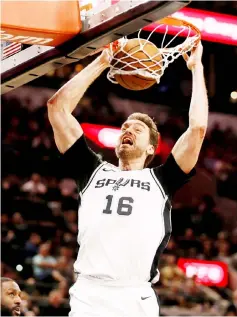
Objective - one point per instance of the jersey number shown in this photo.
(124, 205)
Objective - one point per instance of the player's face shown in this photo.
(134, 141)
(10, 298)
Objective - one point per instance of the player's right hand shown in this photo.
(195, 59)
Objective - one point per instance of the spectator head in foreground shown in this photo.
(10, 297)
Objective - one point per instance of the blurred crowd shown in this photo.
(39, 218)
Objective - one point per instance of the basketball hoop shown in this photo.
(127, 65)
(88, 32)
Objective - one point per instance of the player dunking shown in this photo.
(124, 216)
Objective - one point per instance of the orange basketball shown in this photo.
(136, 52)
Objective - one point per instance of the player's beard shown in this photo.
(128, 152)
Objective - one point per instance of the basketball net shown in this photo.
(167, 53)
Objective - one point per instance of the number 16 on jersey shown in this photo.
(124, 207)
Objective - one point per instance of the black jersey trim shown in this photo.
(92, 177)
(164, 241)
(158, 183)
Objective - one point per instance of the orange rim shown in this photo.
(168, 21)
(179, 22)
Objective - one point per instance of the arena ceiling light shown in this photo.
(233, 96)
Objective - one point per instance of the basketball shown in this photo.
(149, 56)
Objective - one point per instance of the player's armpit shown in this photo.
(187, 148)
(66, 128)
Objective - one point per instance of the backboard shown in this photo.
(100, 22)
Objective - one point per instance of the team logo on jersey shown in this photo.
(120, 183)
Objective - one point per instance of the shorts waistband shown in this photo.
(116, 283)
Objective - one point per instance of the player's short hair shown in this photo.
(6, 279)
(154, 134)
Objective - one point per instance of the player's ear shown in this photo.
(150, 150)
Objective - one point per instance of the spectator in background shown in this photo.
(66, 262)
(68, 194)
(10, 298)
(33, 128)
(26, 305)
(68, 185)
(11, 184)
(41, 143)
(44, 264)
(4, 224)
(20, 227)
(53, 192)
(10, 238)
(32, 244)
(223, 252)
(189, 240)
(171, 271)
(69, 239)
(55, 305)
(221, 237)
(193, 292)
(34, 185)
(70, 218)
(171, 246)
(46, 267)
(207, 251)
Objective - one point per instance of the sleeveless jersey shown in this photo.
(124, 225)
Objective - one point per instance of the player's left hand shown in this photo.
(106, 56)
(195, 59)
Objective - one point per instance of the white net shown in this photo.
(129, 64)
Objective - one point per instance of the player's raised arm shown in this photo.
(60, 107)
(187, 148)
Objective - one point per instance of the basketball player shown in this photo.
(124, 215)
(10, 297)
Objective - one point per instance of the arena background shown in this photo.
(39, 201)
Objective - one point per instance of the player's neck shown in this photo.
(136, 164)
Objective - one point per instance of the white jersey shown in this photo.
(124, 221)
